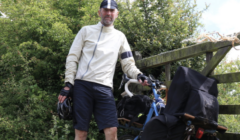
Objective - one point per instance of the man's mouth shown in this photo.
(108, 18)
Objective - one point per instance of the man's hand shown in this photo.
(143, 79)
(65, 92)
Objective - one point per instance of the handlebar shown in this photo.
(162, 87)
(126, 86)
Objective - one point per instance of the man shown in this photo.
(95, 50)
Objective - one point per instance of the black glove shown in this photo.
(64, 92)
(142, 77)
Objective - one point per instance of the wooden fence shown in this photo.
(221, 49)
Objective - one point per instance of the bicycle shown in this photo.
(155, 109)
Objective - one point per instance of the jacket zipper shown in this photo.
(93, 53)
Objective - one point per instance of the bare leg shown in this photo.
(80, 135)
(110, 133)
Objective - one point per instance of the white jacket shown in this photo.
(96, 49)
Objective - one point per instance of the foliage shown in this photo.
(91, 12)
(34, 40)
(229, 94)
(156, 26)
(24, 106)
(60, 130)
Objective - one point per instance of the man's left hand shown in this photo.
(65, 92)
(143, 79)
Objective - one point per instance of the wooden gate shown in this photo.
(221, 49)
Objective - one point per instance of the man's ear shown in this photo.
(99, 12)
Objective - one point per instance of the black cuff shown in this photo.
(64, 92)
(68, 84)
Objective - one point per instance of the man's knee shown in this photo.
(110, 131)
(80, 135)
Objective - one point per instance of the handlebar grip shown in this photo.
(136, 81)
(126, 86)
(163, 87)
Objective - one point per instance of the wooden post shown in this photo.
(216, 59)
(137, 55)
(167, 78)
(209, 56)
(136, 88)
(168, 74)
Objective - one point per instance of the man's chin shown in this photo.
(105, 23)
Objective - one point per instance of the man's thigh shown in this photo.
(104, 109)
(82, 105)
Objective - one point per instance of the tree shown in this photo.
(35, 39)
(156, 26)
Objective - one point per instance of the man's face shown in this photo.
(108, 16)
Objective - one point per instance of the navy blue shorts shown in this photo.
(92, 98)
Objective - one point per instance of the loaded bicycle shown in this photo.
(155, 107)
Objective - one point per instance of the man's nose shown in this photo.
(108, 12)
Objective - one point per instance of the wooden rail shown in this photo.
(229, 109)
(180, 54)
(229, 136)
(227, 78)
(221, 49)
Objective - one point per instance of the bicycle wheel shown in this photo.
(126, 137)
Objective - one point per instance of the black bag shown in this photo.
(164, 127)
(190, 93)
(135, 108)
(168, 127)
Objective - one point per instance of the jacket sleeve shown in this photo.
(127, 61)
(74, 56)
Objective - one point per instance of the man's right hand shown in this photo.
(65, 92)
(143, 79)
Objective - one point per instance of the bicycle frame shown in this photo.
(153, 107)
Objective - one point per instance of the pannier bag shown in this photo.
(164, 128)
(192, 98)
(168, 127)
(135, 108)
(192, 93)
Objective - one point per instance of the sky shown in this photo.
(221, 16)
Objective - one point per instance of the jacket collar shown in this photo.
(106, 29)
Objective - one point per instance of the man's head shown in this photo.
(108, 12)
